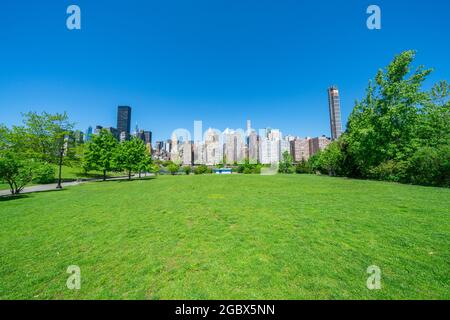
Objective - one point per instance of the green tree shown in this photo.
(434, 118)
(131, 155)
(430, 166)
(16, 168)
(331, 159)
(285, 165)
(383, 125)
(146, 162)
(45, 136)
(15, 171)
(100, 153)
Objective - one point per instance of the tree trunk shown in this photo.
(104, 175)
(11, 188)
(16, 189)
(129, 174)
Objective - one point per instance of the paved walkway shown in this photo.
(41, 187)
(52, 186)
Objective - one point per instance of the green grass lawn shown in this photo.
(227, 237)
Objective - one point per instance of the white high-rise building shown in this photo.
(213, 148)
(274, 134)
(199, 153)
(264, 150)
(253, 140)
(270, 146)
(284, 146)
(187, 153)
(234, 146)
(175, 152)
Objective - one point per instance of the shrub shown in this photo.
(187, 169)
(247, 171)
(173, 168)
(155, 168)
(201, 169)
(303, 167)
(247, 168)
(389, 171)
(430, 166)
(44, 173)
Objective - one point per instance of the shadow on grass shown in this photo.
(124, 179)
(11, 197)
(136, 179)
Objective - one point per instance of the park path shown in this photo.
(41, 187)
(52, 186)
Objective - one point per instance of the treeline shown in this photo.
(104, 153)
(29, 153)
(398, 132)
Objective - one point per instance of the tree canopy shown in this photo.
(396, 129)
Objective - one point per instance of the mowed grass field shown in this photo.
(227, 237)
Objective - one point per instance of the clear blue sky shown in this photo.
(220, 61)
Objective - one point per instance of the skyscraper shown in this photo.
(253, 140)
(186, 149)
(124, 120)
(269, 146)
(334, 106)
(175, 151)
(148, 137)
(234, 146)
(88, 135)
(213, 152)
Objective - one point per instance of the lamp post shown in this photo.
(61, 155)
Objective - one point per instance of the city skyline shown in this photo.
(230, 146)
(123, 131)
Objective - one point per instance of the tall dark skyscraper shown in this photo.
(334, 105)
(124, 120)
(148, 137)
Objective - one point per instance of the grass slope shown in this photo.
(231, 237)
